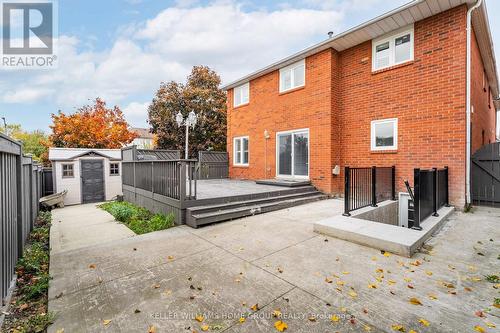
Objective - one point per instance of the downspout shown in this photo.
(468, 104)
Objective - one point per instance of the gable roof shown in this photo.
(67, 154)
(143, 133)
(400, 17)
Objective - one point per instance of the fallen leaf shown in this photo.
(374, 258)
(276, 313)
(280, 270)
(451, 267)
(428, 273)
(379, 270)
(340, 282)
(467, 289)
(92, 266)
(23, 307)
(386, 254)
(254, 307)
(152, 329)
(407, 279)
(475, 279)
(61, 330)
(106, 322)
(490, 325)
(372, 286)
(353, 294)
(391, 282)
(312, 318)
(280, 326)
(424, 322)
(479, 329)
(379, 279)
(170, 257)
(415, 263)
(399, 328)
(328, 280)
(199, 318)
(137, 311)
(242, 319)
(156, 286)
(345, 273)
(415, 301)
(411, 286)
(412, 331)
(204, 328)
(367, 328)
(334, 318)
(343, 309)
(480, 314)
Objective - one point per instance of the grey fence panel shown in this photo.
(20, 191)
(213, 165)
(157, 154)
(128, 173)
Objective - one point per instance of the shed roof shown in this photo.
(66, 154)
(400, 17)
(143, 133)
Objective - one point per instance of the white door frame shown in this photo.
(293, 132)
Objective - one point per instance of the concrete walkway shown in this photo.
(75, 227)
(254, 266)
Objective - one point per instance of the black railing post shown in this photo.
(416, 202)
(446, 190)
(393, 184)
(435, 189)
(374, 186)
(347, 190)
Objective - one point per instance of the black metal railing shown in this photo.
(430, 193)
(365, 187)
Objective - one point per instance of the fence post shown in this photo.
(416, 202)
(393, 180)
(435, 190)
(446, 190)
(347, 190)
(374, 186)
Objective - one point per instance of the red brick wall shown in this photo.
(307, 107)
(427, 96)
(342, 96)
(484, 116)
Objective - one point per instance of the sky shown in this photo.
(121, 50)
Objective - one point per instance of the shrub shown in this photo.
(122, 213)
(35, 259)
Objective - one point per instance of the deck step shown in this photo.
(252, 207)
(283, 182)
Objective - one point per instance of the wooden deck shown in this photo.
(218, 188)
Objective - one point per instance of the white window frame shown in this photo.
(391, 38)
(72, 169)
(111, 168)
(241, 138)
(373, 137)
(292, 76)
(293, 132)
(245, 86)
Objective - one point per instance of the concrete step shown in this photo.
(199, 219)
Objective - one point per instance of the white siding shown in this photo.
(112, 184)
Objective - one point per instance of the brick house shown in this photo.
(392, 91)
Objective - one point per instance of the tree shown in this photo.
(92, 126)
(200, 94)
(34, 143)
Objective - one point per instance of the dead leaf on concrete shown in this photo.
(280, 326)
(152, 329)
(106, 322)
(415, 301)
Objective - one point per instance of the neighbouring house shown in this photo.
(89, 175)
(391, 91)
(145, 139)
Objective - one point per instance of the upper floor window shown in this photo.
(393, 50)
(68, 171)
(384, 134)
(114, 169)
(242, 94)
(293, 76)
(241, 151)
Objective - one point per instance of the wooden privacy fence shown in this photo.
(213, 165)
(20, 191)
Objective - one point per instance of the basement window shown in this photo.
(384, 134)
(240, 157)
(292, 76)
(68, 171)
(241, 94)
(393, 50)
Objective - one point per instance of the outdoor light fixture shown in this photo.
(190, 121)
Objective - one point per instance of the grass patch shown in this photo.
(138, 219)
(28, 310)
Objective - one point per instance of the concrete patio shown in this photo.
(163, 280)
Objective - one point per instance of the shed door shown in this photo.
(92, 181)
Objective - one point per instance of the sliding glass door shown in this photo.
(293, 154)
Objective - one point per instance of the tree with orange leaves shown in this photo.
(92, 126)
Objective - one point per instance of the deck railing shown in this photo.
(365, 187)
(175, 179)
(213, 165)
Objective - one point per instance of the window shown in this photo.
(384, 134)
(292, 76)
(241, 151)
(393, 50)
(67, 171)
(242, 94)
(114, 169)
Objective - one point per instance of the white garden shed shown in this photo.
(89, 175)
